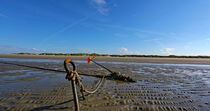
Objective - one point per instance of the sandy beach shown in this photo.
(163, 84)
(118, 59)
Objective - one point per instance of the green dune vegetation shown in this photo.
(107, 55)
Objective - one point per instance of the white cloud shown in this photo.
(208, 39)
(39, 50)
(167, 51)
(127, 52)
(99, 2)
(100, 5)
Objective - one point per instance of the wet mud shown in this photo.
(158, 87)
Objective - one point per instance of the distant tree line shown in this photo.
(25, 53)
(159, 56)
(75, 54)
(95, 54)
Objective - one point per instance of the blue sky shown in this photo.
(162, 27)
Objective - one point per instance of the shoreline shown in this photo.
(118, 59)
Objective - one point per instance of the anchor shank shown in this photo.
(76, 100)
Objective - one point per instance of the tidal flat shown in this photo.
(159, 86)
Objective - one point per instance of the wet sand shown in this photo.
(118, 59)
(163, 87)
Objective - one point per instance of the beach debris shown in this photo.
(121, 77)
(113, 75)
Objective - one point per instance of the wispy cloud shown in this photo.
(151, 40)
(137, 32)
(120, 35)
(82, 50)
(127, 52)
(208, 39)
(67, 27)
(4, 48)
(101, 6)
(3, 15)
(99, 2)
(38, 50)
(167, 51)
(14, 49)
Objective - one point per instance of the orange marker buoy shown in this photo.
(89, 60)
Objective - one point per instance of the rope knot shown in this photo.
(71, 75)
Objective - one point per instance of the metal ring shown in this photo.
(66, 65)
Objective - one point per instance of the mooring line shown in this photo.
(112, 76)
(47, 69)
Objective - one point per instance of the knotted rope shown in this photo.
(76, 79)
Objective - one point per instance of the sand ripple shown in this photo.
(158, 88)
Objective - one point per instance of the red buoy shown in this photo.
(89, 60)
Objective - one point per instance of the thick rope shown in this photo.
(75, 76)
